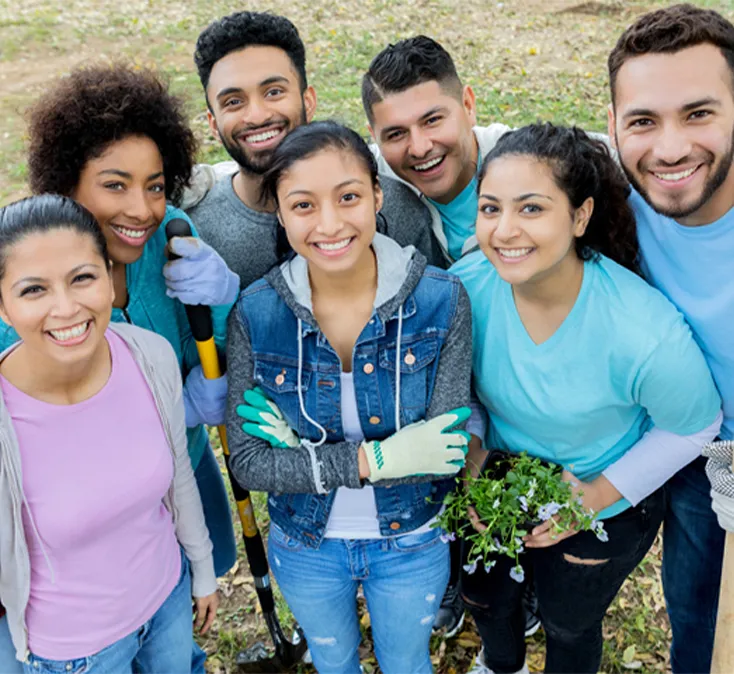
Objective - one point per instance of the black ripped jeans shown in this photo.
(572, 597)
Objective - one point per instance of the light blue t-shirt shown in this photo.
(459, 218)
(622, 360)
(694, 268)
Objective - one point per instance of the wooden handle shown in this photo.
(723, 658)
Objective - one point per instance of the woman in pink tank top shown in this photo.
(103, 542)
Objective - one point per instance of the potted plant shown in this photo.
(513, 494)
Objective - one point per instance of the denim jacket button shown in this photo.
(395, 526)
(409, 358)
(375, 420)
(368, 368)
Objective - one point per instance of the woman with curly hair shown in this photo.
(115, 140)
(581, 363)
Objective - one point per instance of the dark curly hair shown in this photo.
(98, 105)
(248, 29)
(582, 167)
(405, 64)
(670, 30)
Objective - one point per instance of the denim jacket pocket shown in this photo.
(416, 357)
(279, 380)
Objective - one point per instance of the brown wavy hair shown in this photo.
(582, 167)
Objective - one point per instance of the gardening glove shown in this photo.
(423, 448)
(205, 400)
(718, 470)
(264, 420)
(200, 275)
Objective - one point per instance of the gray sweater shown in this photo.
(260, 467)
(246, 239)
(159, 366)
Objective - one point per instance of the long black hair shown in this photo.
(582, 167)
(304, 142)
(45, 213)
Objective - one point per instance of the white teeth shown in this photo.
(70, 333)
(260, 137)
(131, 233)
(514, 252)
(673, 177)
(429, 164)
(333, 246)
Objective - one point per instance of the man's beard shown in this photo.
(712, 184)
(259, 163)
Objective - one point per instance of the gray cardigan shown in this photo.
(159, 366)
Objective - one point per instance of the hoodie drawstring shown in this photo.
(310, 446)
(397, 368)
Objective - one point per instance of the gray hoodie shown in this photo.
(159, 366)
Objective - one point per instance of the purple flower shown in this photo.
(545, 512)
(523, 503)
(517, 573)
(448, 536)
(520, 544)
(472, 566)
(488, 566)
(600, 531)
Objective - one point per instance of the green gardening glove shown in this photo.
(264, 420)
(423, 448)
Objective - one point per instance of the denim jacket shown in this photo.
(421, 321)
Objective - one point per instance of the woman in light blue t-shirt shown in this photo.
(577, 361)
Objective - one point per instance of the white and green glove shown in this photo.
(423, 448)
(265, 420)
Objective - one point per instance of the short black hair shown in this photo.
(670, 30)
(98, 105)
(248, 29)
(405, 64)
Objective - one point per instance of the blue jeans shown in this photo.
(693, 549)
(8, 663)
(217, 513)
(163, 644)
(404, 579)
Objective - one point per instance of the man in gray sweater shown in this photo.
(252, 66)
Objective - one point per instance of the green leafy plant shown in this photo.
(514, 494)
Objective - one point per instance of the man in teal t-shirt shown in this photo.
(672, 120)
(424, 123)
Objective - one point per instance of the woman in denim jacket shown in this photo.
(360, 353)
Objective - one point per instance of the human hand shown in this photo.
(200, 275)
(205, 610)
(265, 420)
(423, 448)
(205, 400)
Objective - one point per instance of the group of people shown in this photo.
(388, 312)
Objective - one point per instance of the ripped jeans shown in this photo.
(403, 578)
(572, 596)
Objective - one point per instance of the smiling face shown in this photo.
(673, 125)
(124, 189)
(327, 205)
(57, 293)
(526, 225)
(425, 135)
(255, 100)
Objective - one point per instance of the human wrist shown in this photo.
(364, 466)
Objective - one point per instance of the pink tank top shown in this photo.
(94, 475)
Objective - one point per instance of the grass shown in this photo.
(525, 59)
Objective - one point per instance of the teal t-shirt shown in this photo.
(459, 217)
(692, 266)
(622, 361)
(149, 307)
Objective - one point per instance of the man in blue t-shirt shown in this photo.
(672, 122)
